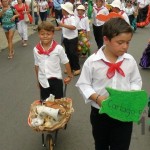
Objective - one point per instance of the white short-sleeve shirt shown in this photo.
(104, 11)
(49, 65)
(83, 23)
(67, 33)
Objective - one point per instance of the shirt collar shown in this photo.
(100, 55)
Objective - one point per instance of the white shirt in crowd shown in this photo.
(129, 10)
(42, 6)
(83, 23)
(49, 65)
(67, 33)
(104, 11)
(143, 3)
(93, 77)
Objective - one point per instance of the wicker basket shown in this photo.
(49, 123)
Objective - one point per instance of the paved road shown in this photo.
(18, 90)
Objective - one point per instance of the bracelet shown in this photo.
(97, 98)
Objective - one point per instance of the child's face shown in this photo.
(118, 45)
(80, 12)
(99, 3)
(46, 36)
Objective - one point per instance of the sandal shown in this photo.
(76, 72)
(10, 56)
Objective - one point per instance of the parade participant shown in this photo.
(75, 7)
(97, 24)
(22, 26)
(48, 55)
(86, 8)
(97, 74)
(143, 13)
(132, 13)
(83, 31)
(36, 14)
(8, 14)
(58, 9)
(43, 6)
(70, 35)
(116, 7)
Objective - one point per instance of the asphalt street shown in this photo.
(18, 89)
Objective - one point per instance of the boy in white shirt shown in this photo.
(70, 36)
(111, 67)
(48, 55)
(83, 30)
(99, 8)
(116, 7)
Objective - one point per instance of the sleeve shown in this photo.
(84, 84)
(63, 57)
(35, 57)
(135, 78)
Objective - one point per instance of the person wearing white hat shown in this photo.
(83, 30)
(86, 7)
(116, 7)
(70, 35)
(97, 24)
(75, 7)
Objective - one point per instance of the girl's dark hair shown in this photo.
(115, 26)
(46, 26)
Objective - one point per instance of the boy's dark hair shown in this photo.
(115, 26)
(45, 25)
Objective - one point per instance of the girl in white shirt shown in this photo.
(43, 6)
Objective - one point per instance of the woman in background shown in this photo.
(22, 26)
(8, 16)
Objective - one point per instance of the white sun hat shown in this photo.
(67, 7)
(81, 7)
(116, 3)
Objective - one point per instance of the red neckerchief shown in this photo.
(64, 18)
(44, 52)
(114, 67)
(81, 17)
(98, 9)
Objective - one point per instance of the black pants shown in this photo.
(97, 30)
(56, 88)
(36, 18)
(43, 16)
(58, 15)
(71, 51)
(108, 133)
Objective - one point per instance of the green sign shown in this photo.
(124, 105)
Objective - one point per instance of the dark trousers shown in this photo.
(36, 18)
(56, 88)
(71, 51)
(108, 133)
(58, 15)
(43, 16)
(97, 31)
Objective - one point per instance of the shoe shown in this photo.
(24, 44)
(76, 72)
(10, 56)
